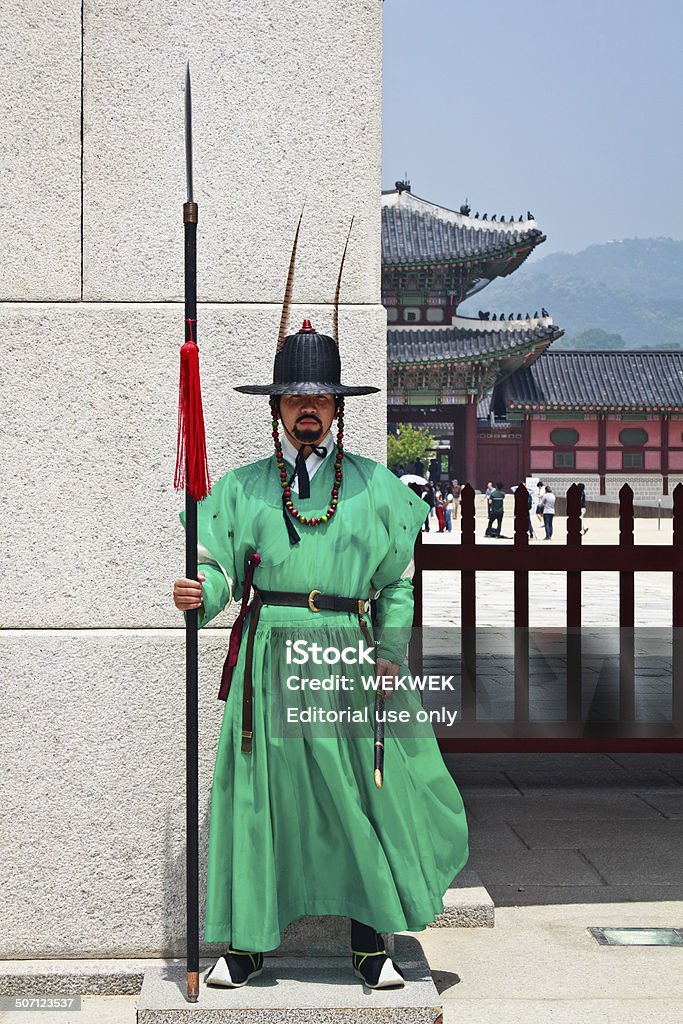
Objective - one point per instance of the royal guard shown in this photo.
(300, 825)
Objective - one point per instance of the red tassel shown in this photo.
(191, 447)
(236, 630)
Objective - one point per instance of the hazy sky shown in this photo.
(573, 110)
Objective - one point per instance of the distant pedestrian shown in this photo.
(428, 496)
(530, 505)
(419, 467)
(440, 506)
(538, 500)
(488, 492)
(435, 471)
(456, 491)
(582, 506)
(448, 512)
(496, 510)
(548, 511)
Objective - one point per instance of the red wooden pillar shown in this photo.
(470, 424)
(602, 450)
(457, 459)
(526, 447)
(664, 454)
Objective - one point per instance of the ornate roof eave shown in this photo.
(518, 361)
(594, 408)
(418, 234)
(513, 352)
(482, 259)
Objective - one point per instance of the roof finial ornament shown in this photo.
(287, 301)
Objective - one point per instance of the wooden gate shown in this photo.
(573, 559)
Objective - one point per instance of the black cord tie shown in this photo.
(301, 470)
(303, 484)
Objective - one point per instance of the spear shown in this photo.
(191, 470)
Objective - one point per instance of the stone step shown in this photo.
(297, 990)
(73, 977)
(467, 904)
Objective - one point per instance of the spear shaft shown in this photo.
(190, 217)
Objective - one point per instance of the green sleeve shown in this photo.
(401, 513)
(216, 593)
(394, 620)
(215, 551)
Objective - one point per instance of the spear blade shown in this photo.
(188, 134)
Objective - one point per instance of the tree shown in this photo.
(409, 444)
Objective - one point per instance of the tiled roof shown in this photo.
(415, 231)
(627, 380)
(433, 346)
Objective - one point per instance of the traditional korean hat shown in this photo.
(307, 363)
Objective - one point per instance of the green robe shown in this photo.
(298, 826)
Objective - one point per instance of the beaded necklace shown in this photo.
(286, 489)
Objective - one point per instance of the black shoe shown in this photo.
(234, 969)
(378, 970)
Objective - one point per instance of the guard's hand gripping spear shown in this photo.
(191, 472)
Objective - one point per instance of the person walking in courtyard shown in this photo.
(435, 472)
(548, 505)
(530, 503)
(448, 511)
(316, 529)
(440, 505)
(538, 500)
(456, 490)
(496, 511)
(430, 499)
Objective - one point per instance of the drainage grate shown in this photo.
(638, 936)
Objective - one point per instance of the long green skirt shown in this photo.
(298, 826)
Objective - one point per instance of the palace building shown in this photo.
(501, 403)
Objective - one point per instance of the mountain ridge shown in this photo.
(620, 294)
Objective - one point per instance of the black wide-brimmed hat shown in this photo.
(307, 363)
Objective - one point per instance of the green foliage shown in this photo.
(410, 444)
(630, 288)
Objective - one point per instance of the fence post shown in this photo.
(468, 610)
(521, 607)
(415, 648)
(677, 616)
(574, 654)
(627, 705)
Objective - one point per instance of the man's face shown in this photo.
(307, 418)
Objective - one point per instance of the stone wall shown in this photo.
(287, 104)
(647, 487)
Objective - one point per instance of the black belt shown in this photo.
(316, 601)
